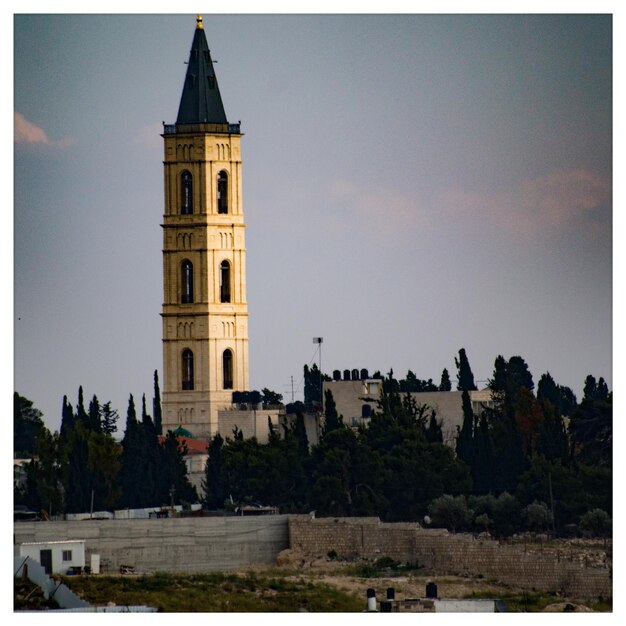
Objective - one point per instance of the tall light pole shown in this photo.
(319, 341)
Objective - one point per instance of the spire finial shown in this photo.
(199, 21)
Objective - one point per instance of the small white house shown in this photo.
(56, 557)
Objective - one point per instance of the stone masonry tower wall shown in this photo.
(205, 312)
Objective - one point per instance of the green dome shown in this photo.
(183, 432)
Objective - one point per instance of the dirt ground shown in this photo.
(334, 573)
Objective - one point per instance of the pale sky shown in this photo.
(413, 184)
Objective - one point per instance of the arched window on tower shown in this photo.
(187, 377)
(186, 280)
(227, 369)
(222, 192)
(186, 193)
(225, 281)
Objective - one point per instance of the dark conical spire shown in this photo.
(201, 101)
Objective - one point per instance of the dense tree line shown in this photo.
(83, 467)
(515, 465)
(534, 458)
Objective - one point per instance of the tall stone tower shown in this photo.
(205, 313)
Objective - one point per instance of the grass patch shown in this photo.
(605, 606)
(384, 567)
(215, 592)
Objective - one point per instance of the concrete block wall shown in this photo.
(443, 553)
(179, 544)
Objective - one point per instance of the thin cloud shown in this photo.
(26, 132)
(559, 202)
(379, 208)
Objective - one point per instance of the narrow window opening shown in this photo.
(222, 192)
(186, 188)
(227, 367)
(67, 555)
(187, 282)
(225, 281)
(187, 369)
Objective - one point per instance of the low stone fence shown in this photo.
(444, 553)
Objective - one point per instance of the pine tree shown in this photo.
(109, 419)
(27, 425)
(45, 475)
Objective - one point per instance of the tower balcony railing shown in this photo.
(172, 129)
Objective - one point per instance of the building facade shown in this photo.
(355, 400)
(205, 311)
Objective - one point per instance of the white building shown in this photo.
(56, 557)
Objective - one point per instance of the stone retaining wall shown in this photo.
(221, 543)
(443, 553)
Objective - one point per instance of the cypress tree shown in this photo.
(78, 479)
(547, 390)
(434, 434)
(465, 434)
(95, 415)
(214, 483)
(173, 471)
(156, 482)
(130, 475)
(552, 440)
(445, 384)
(589, 390)
(81, 413)
(156, 405)
(332, 420)
(299, 432)
(67, 418)
(465, 377)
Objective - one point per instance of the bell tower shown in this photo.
(205, 312)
